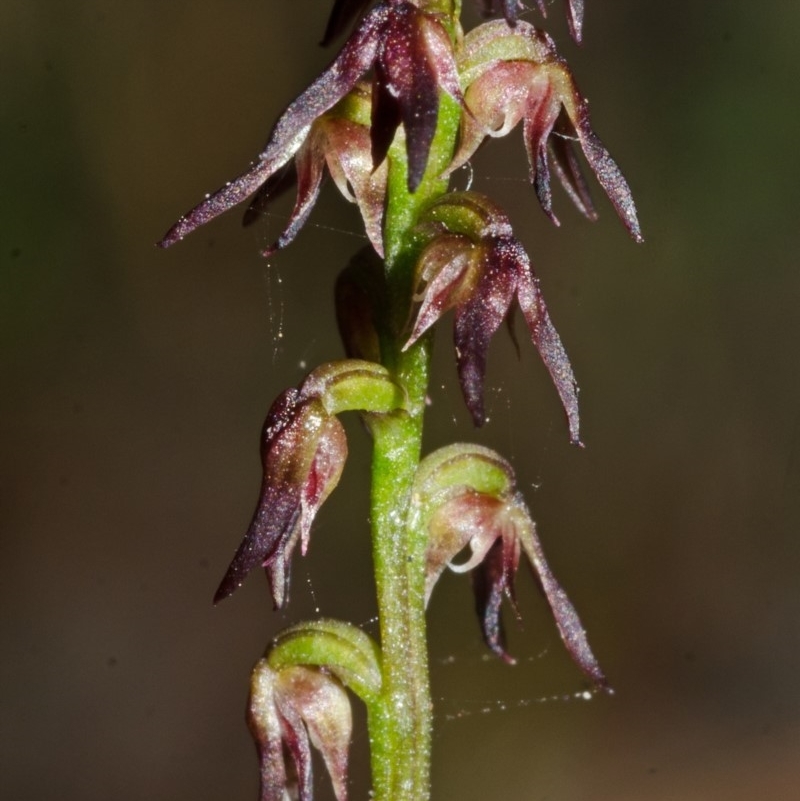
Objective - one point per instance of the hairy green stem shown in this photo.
(400, 723)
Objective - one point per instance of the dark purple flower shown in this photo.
(412, 57)
(339, 140)
(289, 710)
(474, 264)
(303, 450)
(515, 75)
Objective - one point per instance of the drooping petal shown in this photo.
(350, 163)
(476, 322)
(569, 625)
(541, 114)
(323, 475)
(548, 343)
(321, 703)
(565, 164)
(575, 19)
(605, 168)
(267, 731)
(490, 586)
(310, 163)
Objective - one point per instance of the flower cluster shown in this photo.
(500, 74)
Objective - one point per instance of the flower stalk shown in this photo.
(407, 100)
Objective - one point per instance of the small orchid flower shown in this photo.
(514, 75)
(289, 710)
(466, 496)
(303, 451)
(474, 264)
(339, 140)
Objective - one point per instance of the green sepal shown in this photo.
(456, 467)
(354, 385)
(494, 41)
(344, 650)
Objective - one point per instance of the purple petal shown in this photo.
(355, 58)
(296, 742)
(546, 340)
(476, 322)
(569, 625)
(489, 583)
(568, 171)
(575, 19)
(275, 186)
(386, 116)
(310, 163)
(408, 74)
(607, 172)
(223, 199)
(540, 117)
(276, 516)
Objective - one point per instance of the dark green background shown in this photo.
(134, 383)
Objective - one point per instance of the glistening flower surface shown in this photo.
(408, 99)
(517, 75)
(474, 264)
(466, 495)
(289, 710)
(303, 451)
(412, 58)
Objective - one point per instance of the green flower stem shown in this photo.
(400, 722)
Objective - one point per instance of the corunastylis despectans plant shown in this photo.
(408, 99)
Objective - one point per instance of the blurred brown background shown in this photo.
(134, 383)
